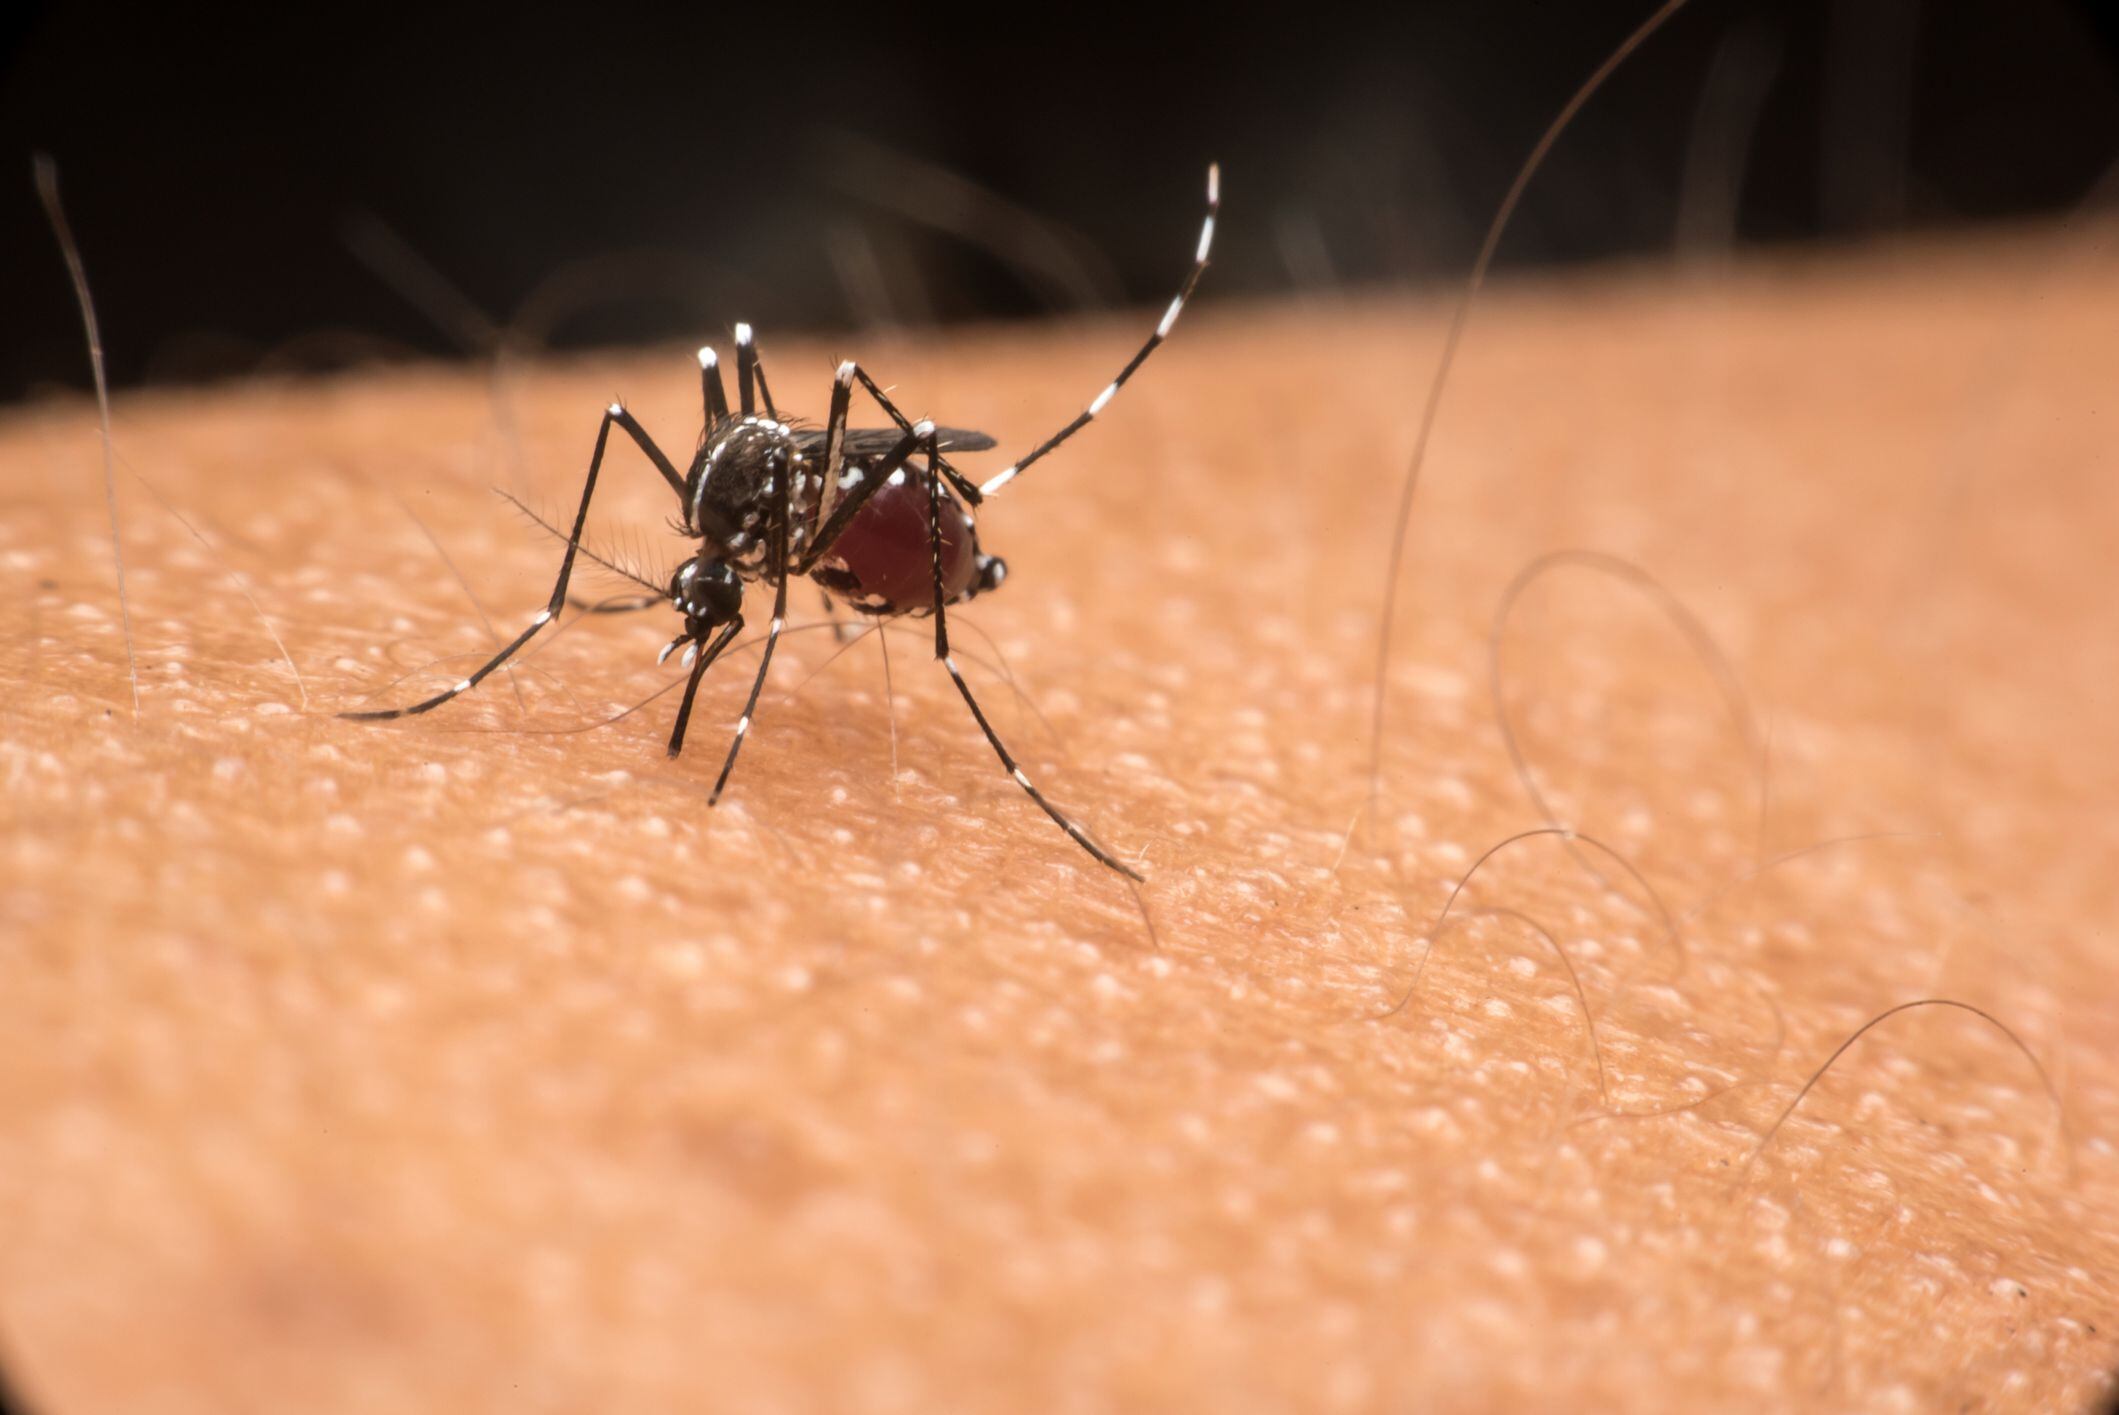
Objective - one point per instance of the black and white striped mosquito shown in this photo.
(878, 517)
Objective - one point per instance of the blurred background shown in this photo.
(287, 189)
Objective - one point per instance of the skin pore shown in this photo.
(351, 1065)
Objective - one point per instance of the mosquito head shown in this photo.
(707, 592)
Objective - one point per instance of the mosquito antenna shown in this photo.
(47, 178)
(1140, 356)
(1450, 340)
(616, 569)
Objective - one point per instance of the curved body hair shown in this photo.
(1401, 520)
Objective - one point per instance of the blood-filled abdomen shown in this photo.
(885, 549)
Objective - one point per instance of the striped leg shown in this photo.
(957, 483)
(700, 662)
(782, 521)
(1080, 836)
(834, 447)
(748, 368)
(1162, 332)
(710, 392)
(612, 415)
(832, 516)
(849, 506)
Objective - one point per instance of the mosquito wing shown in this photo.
(875, 441)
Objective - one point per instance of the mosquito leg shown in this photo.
(957, 481)
(748, 368)
(813, 536)
(850, 505)
(616, 413)
(613, 416)
(834, 446)
(781, 572)
(691, 687)
(1080, 836)
(710, 392)
(1162, 332)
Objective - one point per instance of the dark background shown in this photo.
(628, 173)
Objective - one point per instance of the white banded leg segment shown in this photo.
(1169, 319)
(747, 371)
(750, 706)
(834, 445)
(779, 537)
(956, 675)
(711, 395)
(615, 415)
(1206, 227)
(1059, 818)
(955, 478)
(1162, 331)
(462, 685)
(749, 355)
(698, 662)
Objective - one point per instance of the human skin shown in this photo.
(459, 1062)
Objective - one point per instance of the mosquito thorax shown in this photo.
(742, 461)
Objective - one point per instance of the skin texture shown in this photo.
(462, 1062)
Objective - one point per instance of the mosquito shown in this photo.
(879, 518)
